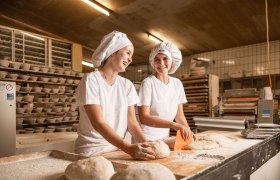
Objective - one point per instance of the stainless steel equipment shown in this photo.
(239, 104)
(218, 123)
(260, 130)
(7, 118)
(265, 111)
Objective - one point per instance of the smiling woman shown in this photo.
(162, 96)
(106, 103)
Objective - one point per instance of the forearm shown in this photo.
(180, 116)
(107, 132)
(135, 130)
(182, 120)
(155, 122)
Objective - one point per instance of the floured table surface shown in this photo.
(187, 163)
(49, 165)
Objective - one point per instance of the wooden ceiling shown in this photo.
(193, 25)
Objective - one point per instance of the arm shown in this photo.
(138, 151)
(153, 121)
(181, 119)
(133, 126)
(147, 119)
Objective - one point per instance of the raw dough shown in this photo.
(170, 141)
(160, 148)
(202, 144)
(97, 168)
(144, 171)
(209, 141)
(218, 138)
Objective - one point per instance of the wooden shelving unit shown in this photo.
(64, 98)
(202, 94)
(19, 46)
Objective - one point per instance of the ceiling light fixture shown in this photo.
(42, 39)
(98, 6)
(154, 38)
(202, 59)
(87, 64)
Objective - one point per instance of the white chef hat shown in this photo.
(171, 51)
(110, 43)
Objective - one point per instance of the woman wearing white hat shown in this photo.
(162, 96)
(106, 103)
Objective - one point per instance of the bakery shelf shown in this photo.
(37, 82)
(39, 73)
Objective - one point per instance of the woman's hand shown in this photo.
(141, 151)
(185, 131)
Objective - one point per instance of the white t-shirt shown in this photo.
(163, 100)
(114, 101)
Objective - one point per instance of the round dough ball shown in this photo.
(160, 148)
(144, 171)
(97, 168)
(201, 145)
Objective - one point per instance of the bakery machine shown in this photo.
(239, 104)
(243, 108)
(234, 107)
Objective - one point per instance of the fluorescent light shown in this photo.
(202, 59)
(42, 39)
(97, 6)
(87, 64)
(154, 38)
(228, 62)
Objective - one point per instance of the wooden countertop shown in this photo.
(32, 140)
(188, 163)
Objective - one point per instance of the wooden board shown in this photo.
(196, 94)
(197, 97)
(185, 163)
(195, 81)
(196, 87)
(196, 91)
(179, 168)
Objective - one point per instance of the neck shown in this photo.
(108, 75)
(162, 77)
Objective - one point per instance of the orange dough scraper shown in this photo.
(180, 143)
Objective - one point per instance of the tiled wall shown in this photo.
(240, 61)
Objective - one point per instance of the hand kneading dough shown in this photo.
(144, 171)
(97, 168)
(160, 148)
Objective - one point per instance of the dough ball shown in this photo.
(218, 138)
(97, 168)
(202, 144)
(144, 171)
(160, 148)
(170, 141)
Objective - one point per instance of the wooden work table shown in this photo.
(62, 141)
(236, 160)
(241, 159)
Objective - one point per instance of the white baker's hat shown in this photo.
(109, 44)
(171, 51)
